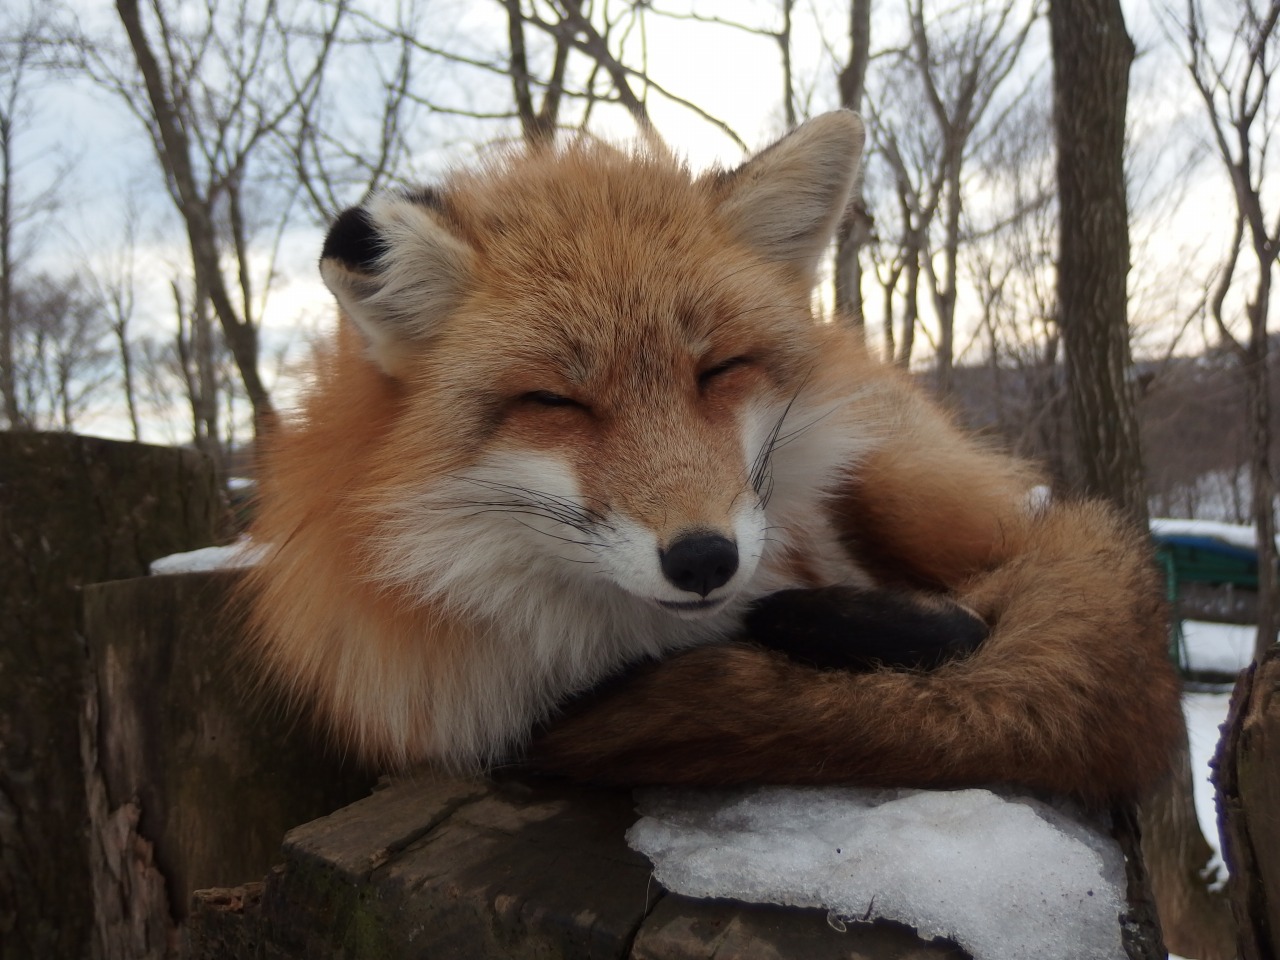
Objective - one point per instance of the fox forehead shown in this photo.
(607, 252)
(587, 209)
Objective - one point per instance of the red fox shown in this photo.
(580, 416)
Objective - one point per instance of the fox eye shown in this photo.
(721, 368)
(545, 398)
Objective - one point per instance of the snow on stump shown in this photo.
(524, 867)
(73, 510)
(194, 780)
(1005, 876)
(1248, 795)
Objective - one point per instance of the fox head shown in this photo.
(604, 369)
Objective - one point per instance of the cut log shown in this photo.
(73, 510)
(198, 778)
(520, 868)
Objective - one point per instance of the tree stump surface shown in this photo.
(1248, 794)
(508, 868)
(73, 510)
(515, 867)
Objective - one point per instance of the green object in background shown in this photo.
(1191, 558)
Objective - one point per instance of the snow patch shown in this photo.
(1218, 647)
(1004, 876)
(1206, 713)
(234, 556)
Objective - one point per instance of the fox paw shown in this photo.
(850, 628)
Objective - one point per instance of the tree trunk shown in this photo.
(1196, 922)
(8, 380)
(73, 510)
(1091, 57)
(126, 376)
(1248, 781)
(174, 150)
(1258, 394)
(855, 232)
(911, 307)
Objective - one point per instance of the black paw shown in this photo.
(846, 628)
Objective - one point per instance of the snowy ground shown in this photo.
(1205, 713)
(1218, 648)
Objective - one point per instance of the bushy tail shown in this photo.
(1072, 692)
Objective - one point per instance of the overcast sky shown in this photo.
(734, 76)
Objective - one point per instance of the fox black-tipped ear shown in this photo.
(396, 270)
(354, 242)
(786, 201)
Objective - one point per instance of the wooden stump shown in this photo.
(512, 869)
(73, 510)
(196, 779)
(522, 868)
(1248, 795)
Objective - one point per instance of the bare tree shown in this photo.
(347, 138)
(538, 124)
(62, 361)
(216, 88)
(960, 83)
(21, 53)
(1233, 74)
(1010, 262)
(113, 275)
(1092, 54)
(602, 41)
(16, 67)
(933, 110)
(1232, 69)
(855, 232)
(899, 250)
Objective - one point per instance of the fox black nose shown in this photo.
(700, 562)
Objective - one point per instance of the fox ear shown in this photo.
(786, 201)
(396, 270)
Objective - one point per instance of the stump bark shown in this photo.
(195, 778)
(73, 510)
(1248, 795)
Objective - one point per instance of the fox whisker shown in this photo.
(553, 505)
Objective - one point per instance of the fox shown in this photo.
(588, 480)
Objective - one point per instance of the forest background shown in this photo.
(167, 172)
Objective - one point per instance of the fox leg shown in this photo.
(854, 628)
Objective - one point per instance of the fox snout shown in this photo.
(699, 561)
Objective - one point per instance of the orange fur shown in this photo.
(555, 371)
